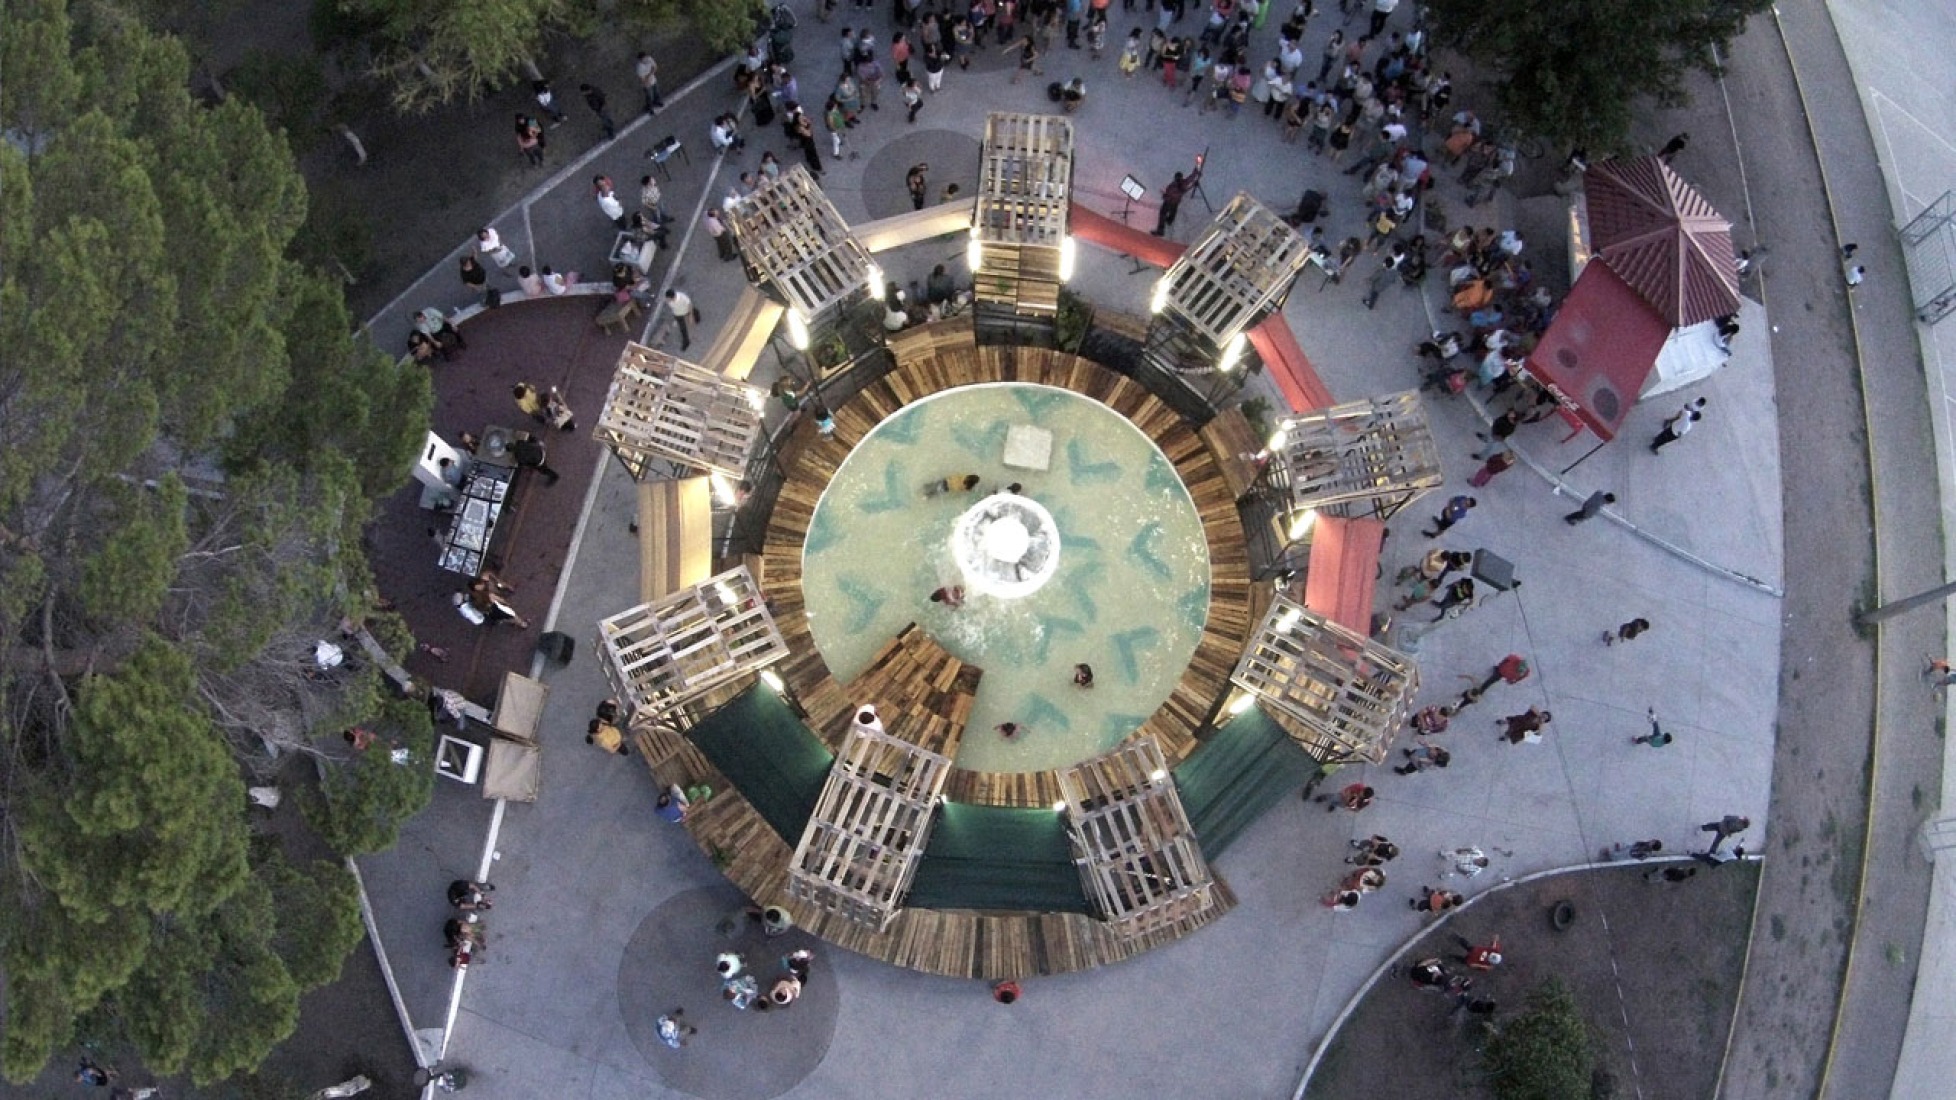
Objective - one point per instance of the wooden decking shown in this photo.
(923, 695)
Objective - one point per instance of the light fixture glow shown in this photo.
(1067, 257)
(1158, 774)
(1159, 299)
(1278, 438)
(974, 255)
(1301, 522)
(723, 489)
(1240, 704)
(797, 330)
(1059, 807)
(774, 681)
(876, 280)
(1287, 620)
(1232, 352)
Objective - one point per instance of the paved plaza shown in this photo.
(1738, 544)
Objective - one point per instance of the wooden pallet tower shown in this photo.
(861, 848)
(1018, 227)
(660, 407)
(1340, 695)
(1361, 460)
(662, 655)
(797, 250)
(1131, 838)
(1234, 275)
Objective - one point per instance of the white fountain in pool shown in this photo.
(1006, 546)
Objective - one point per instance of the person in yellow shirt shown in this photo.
(956, 483)
(529, 400)
(607, 737)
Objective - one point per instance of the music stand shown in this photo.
(1131, 192)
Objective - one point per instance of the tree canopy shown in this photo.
(1578, 72)
(195, 439)
(1546, 1053)
(436, 52)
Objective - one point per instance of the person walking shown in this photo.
(547, 102)
(1028, 57)
(1498, 432)
(1373, 851)
(1388, 272)
(594, 99)
(1456, 510)
(1426, 755)
(529, 140)
(1626, 632)
(1656, 738)
(1458, 594)
(648, 80)
(1499, 463)
(1728, 826)
(723, 241)
(683, 311)
(1674, 146)
(1591, 505)
(530, 455)
(1513, 669)
(1526, 726)
(913, 99)
(1679, 425)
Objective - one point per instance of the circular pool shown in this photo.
(1107, 530)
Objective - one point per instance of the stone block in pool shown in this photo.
(1028, 448)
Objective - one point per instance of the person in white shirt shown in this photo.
(683, 312)
(608, 200)
(490, 245)
(532, 286)
(554, 282)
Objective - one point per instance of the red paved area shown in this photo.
(545, 343)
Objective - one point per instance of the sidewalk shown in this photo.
(1902, 73)
(582, 870)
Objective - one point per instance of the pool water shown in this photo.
(1129, 596)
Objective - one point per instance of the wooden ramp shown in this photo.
(922, 694)
(675, 536)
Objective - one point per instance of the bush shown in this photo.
(1546, 1053)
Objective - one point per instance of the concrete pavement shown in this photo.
(582, 868)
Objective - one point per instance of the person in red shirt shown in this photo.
(1485, 956)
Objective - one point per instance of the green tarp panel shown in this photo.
(998, 857)
(1235, 775)
(769, 756)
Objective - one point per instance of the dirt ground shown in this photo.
(1660, 1031)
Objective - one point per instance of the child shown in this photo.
(1131, 54)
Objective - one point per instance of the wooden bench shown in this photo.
(675, 536)
(618, 314)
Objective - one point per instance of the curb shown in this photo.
(1351, 1006)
